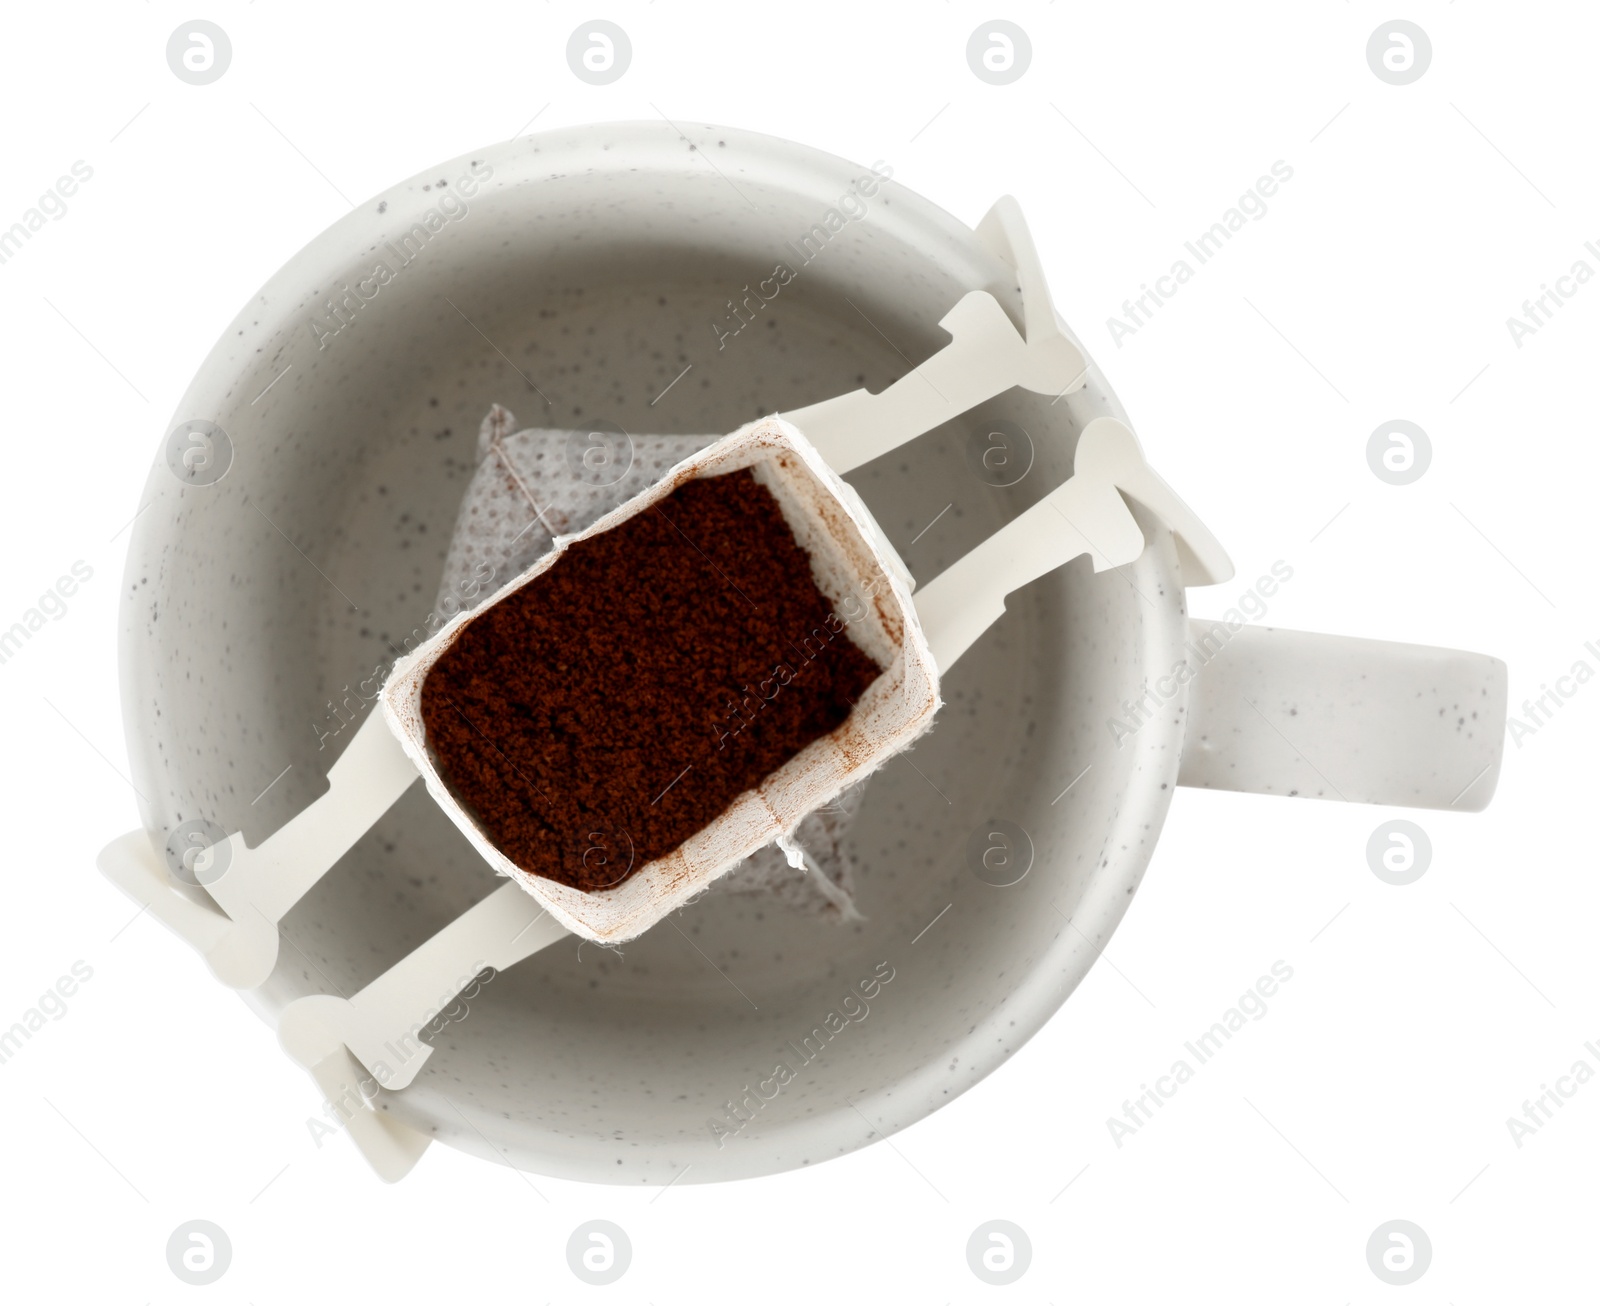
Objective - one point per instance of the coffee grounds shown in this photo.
(609, 709)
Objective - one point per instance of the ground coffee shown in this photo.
(617, 704)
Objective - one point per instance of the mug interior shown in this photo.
(586, 271)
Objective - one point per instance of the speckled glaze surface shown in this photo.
(584, 271)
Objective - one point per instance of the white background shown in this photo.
(1377, 1086)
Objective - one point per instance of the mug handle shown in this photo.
(1325, 716)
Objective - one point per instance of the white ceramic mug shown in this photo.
(299, 513)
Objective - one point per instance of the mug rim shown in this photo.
(1051, 975)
